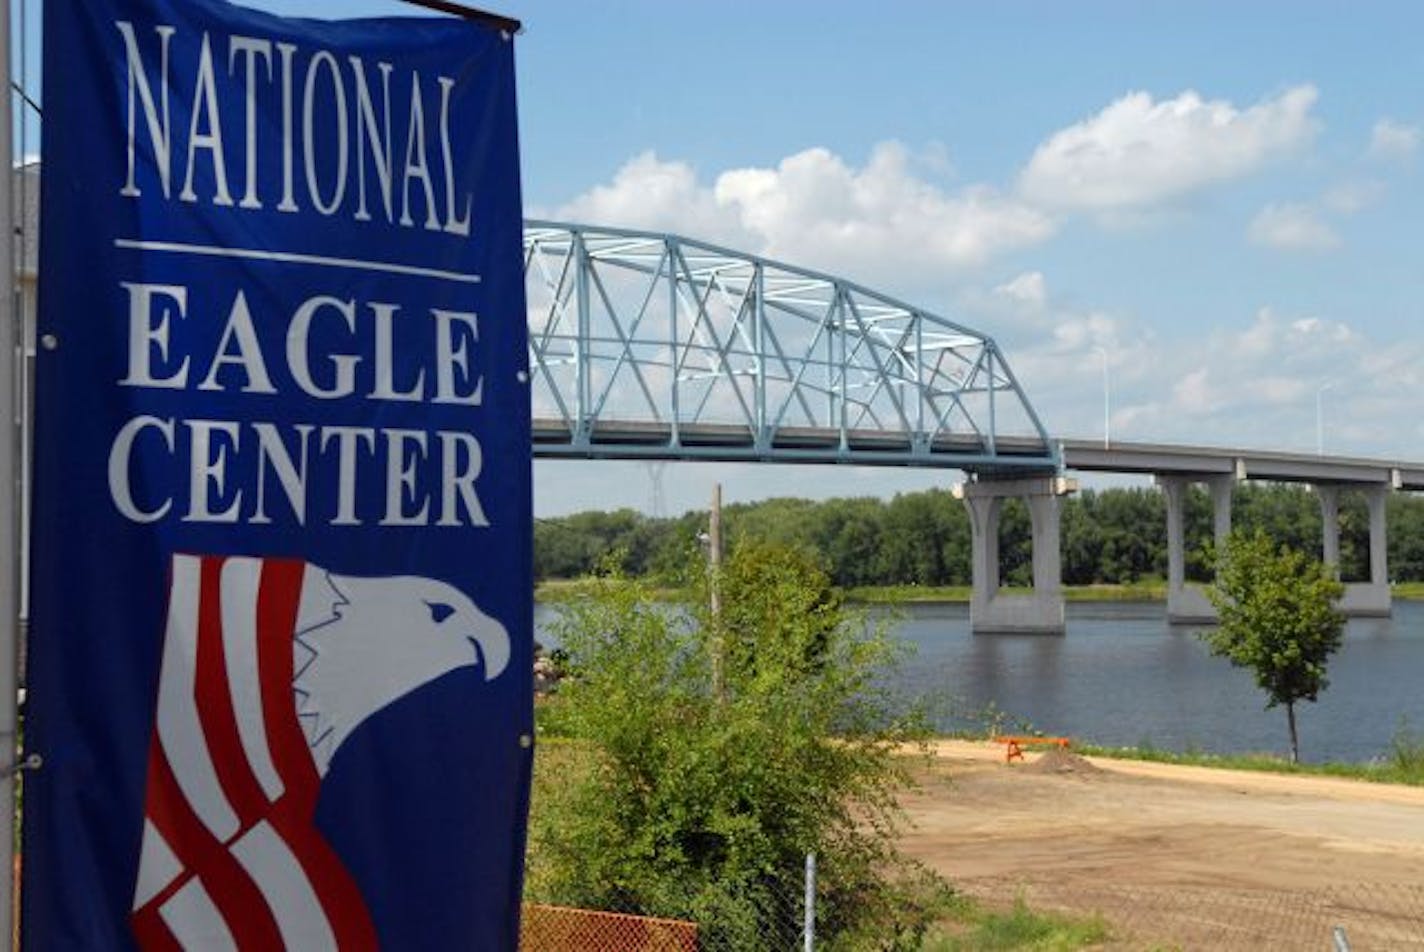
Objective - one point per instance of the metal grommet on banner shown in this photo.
(28, 762)
(526, 741)
(522, 376)
(49, 342)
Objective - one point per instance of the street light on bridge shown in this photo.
(1107, 414)
(1320, 416)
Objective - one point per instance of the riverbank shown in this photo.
(556, 590)
(1176, 856)
(1404, 764)
(1147, 591)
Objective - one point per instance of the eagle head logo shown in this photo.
(268, 666)
(363, 643)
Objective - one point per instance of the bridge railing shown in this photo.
(648, 344)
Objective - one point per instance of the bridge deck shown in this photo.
(637, 440)
(732, 443)
(1276, 466)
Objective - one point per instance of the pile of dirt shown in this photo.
(1060, 760)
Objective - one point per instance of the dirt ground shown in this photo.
(1178, 857)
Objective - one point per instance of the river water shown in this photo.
(1123, 676)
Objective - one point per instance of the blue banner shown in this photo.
(281, 620)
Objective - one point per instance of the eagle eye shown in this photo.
(439, 611)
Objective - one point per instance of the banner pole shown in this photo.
(508, 24)
(9, 539)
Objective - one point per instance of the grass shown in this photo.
(974, 928)
(900, 594)
(1404, 763)
(1143, 591)
(555, 590)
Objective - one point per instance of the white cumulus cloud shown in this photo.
(1256, 385)
(1252, 382)
(648, 192)
(1349, 198)
(1393, 140)
(1028, 289)
(1194, 392)
(1292, 227)
(1138, 152)
(876, 222)
(815, 207)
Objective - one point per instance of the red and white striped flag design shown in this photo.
(230, 856)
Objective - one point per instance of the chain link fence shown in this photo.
(545, 928)
(1359, 917)
(772, 916)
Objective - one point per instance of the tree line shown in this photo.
(1108, 536)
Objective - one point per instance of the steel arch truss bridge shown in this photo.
(652, 346)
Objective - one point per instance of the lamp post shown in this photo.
(1107, 405)
(1320, 417)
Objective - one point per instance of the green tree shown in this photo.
(1114, 535)
(1406, 536)
(700, 805)
(1015, 543)
(1276, 617)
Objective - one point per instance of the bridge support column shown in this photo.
(1187, 604)
(1329, 497)
(990, 611)
(1361, 599)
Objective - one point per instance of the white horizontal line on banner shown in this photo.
(290, 257)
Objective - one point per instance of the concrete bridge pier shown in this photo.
(991, 611)
(1364, 599)
(1187, 604)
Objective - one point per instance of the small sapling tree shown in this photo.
(1277, 617)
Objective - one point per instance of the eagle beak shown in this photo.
(492, 648)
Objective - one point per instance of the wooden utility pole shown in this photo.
(714, 571)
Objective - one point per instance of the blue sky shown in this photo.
(1224, 198)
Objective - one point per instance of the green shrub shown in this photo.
(698, 796)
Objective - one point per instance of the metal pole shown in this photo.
(9, 539)
(714, 560)
(508, 24)
(674, 360)
(1320, 418)
(809, 923)
(759, 343)
(583, 399)
(1107, 403)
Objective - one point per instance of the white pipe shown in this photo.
(808, 928)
